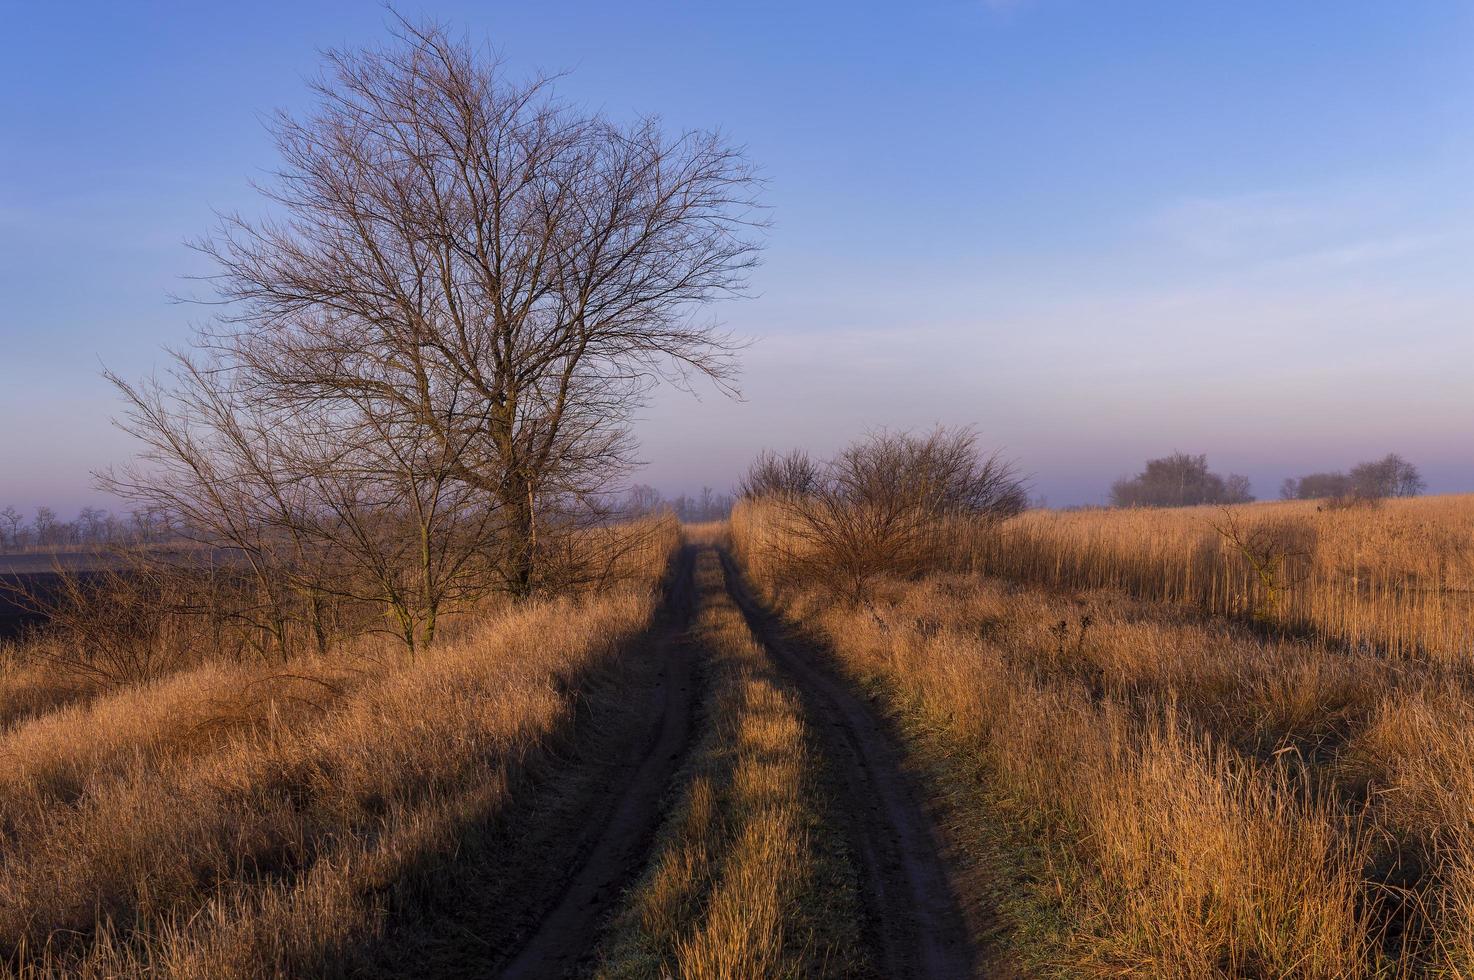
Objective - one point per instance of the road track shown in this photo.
(914, 921)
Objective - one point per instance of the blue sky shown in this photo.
(1097, 231)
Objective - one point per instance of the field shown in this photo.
(1150, 773)
(328, 815)
(1071, 744)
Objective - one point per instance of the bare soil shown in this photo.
(579, 853)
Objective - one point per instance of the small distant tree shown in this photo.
(147, 524)
(641, 499)
(791, 474)
(45, 526)
(1390, 476)
(1317, 486)
(1237, 489)
(92, 524)
(12, 519)
(1320, 485)
(1180, 480)
(708, 505)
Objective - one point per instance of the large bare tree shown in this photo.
(467, 258)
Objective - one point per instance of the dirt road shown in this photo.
(914, 921)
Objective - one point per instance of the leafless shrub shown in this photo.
(576, 558)
(883, 505)
(790, 475)
(118, 623)
(1276, 550)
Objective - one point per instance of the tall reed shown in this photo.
(1398, 577)
(1142, 790)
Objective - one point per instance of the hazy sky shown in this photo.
(1098, 231)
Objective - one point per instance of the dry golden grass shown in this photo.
(1399, 576)
(1151, 792)
(67, 665)
(29, 688)
(743, 881)
(242, 821)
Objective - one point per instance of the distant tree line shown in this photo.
(1390, 476)
(92, 527)
(1184, 480)
(1180, 480)
(708, 505)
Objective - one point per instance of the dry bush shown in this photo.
(591, 560)
(121, 623)
(1277, 549)
(885, 505)
(786, 475)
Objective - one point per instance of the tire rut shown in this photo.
(916, 922)
(565, 936)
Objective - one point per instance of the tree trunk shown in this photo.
(519, 543)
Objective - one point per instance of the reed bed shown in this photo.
(1398, 576)
(1141, 790)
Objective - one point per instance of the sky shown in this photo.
(1097, 232)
